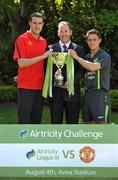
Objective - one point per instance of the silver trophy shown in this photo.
(59, 61)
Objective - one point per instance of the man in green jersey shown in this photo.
(97, 108)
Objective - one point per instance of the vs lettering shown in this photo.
(69, 154)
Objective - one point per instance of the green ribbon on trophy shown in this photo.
(59, 59)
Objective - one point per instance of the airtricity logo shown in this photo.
(30, 154)
(23, 134)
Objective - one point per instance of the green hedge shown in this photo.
(9, 93)
(114, 100)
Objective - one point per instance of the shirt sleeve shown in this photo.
(19, 51)
(105, 61)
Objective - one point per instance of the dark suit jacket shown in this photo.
(59, 93)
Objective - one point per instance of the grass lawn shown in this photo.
(8, 114)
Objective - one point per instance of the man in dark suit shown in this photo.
(60, 100)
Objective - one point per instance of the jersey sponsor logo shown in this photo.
(87, 154)
(90, 75)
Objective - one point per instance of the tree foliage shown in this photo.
(82, 14)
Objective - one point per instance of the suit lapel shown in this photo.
(71, 46)
(57, 47)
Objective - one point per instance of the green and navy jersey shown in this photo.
(99, 79)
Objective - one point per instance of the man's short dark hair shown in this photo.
(36, 14)
(93, 31)
(65, 23)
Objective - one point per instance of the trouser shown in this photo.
(96, 106)
(71, 109)
(30, 106)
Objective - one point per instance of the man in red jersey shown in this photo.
(30, 52)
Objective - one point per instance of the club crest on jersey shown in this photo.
(30, 43)
(87, 154)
